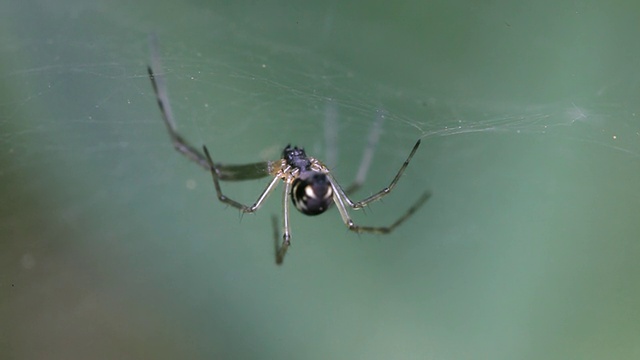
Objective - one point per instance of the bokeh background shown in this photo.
(113, 246)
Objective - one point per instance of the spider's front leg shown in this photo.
(342, 201)
(223, 198)
(340, 204)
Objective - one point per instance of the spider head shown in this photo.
(311, 193)
(296, 157)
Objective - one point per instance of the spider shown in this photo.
(307, 181)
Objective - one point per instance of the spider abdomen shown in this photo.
(311, 193)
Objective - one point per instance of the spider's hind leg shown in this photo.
(280, 249)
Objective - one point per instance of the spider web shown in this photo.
(530, 146)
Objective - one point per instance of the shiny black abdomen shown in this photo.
(311, 193)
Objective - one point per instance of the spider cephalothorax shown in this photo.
(296, 157)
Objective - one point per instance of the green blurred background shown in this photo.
(112, 245)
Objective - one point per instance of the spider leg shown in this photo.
(223, 198)
(286, 236)
(160, 90)
(340, 204)
(280, 250)
(367, 156)
(342, 201)
(225, 172)
(380, 194)
(179, 143)
(331, 132)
